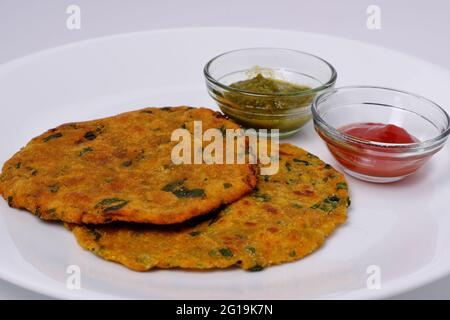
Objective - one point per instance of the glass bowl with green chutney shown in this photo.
(268, 88)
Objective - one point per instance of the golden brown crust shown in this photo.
(118, 169)
(288, 216)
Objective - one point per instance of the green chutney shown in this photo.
(264, 102)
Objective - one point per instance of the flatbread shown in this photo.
(287, 216)
(120, 169)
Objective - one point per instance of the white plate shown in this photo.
(402, 227)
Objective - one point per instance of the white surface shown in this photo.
(416, 27)
(387, 227)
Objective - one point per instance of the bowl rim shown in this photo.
(343, 136)
(330, 83)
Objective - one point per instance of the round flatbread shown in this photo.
(288, 216)
(120, 169)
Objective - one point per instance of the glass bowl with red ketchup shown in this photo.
(379, 134)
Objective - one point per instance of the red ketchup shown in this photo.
(377, 161)
(387, 133)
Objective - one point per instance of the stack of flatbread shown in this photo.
(113, 183)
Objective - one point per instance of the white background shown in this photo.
(419, 28)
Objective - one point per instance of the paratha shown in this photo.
(285, 218)
(120, 169)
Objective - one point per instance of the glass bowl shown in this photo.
(287, 112)
(378, 161)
